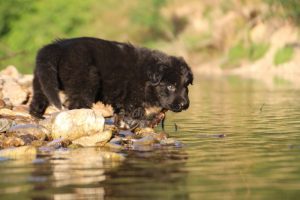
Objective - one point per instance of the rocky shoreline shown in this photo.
(22, 136)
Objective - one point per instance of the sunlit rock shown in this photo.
(32, 131)
(76, 123)
(13, 91)
(98, 139)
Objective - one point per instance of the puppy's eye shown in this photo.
(171, 88)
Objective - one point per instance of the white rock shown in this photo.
(73, 124)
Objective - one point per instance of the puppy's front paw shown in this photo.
(138, 113)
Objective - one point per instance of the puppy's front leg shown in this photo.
(131, 117)
(138, 113)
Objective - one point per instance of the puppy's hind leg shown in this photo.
(39, 101)
(82, 93)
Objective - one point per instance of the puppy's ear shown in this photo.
(155, 74)
(187, 72)
(190, 77)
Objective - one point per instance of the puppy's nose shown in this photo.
(184, 104)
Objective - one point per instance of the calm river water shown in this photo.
(240, 140)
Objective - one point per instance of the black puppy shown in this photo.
(132, 79)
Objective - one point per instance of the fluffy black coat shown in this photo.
(129, 78)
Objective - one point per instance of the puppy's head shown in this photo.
(170, 78)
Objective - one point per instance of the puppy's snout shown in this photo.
(181, 105)
(184, 104)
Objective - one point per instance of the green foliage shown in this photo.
(147, 15)
(197, 42)
(241, 52)
(283, 55)
(27, 25)
(46, 21)
(291, 9)
(11, 13)
(257, 51)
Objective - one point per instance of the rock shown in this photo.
(106, 110)
(26, 80)
(5, 103)
(98, 139)
(5, 124)
(4, 112)
(10, 71)
(76, 123)
(13, 141)
(147, 140)
(12, 90)
(116, 140)
(170, 141)
(126, 133)
(160, 136)
(37, 132)
(55, 144)
(52, 110)
(113, 146)
(149, 131)
(144, 131)
(25, 152)
(21, 109)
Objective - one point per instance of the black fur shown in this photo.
(127, 77)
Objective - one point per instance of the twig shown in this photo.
(261, 108)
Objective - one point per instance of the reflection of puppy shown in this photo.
(131, 79)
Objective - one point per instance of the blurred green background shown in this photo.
(209, 31)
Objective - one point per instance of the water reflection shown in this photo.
(240, 141)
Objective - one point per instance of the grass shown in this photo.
(241, 52)
(283, 55)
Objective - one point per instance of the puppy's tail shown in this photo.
(47, 72)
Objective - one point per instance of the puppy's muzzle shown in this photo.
(182, 105)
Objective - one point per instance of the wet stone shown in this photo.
(113, 146)
(55, 144)
(116, 140)
(147, 140)
(29, 131)
(171, 142)
(145, 131)
(125, 133)
(6, 142)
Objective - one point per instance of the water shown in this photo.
(240, 139)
